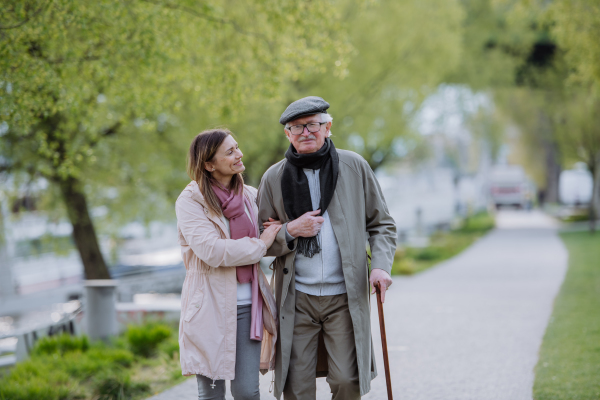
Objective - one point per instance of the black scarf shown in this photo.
(296, 192)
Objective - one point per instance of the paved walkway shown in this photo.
(470, 328)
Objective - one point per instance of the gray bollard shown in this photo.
(100, 310)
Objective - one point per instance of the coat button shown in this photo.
(197, 305)
(285, 270)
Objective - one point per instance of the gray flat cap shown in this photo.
(300, 108)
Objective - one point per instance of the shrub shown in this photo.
(478, 223)
(61, 344)
(144, 340)
(170, 346)
(43, 367)
(70, 368)
(116, 385)
(576, 218)
(36, 389)
(428, 253)
(39, 378)
(85, 365)
(120, 357)
(403, 266)
(176, 375)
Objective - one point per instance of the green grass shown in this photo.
(443, 245)
(569, 364)
(141, 362)
(576, 218)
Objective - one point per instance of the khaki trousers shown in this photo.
(329, 314)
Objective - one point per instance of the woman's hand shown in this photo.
(271, 221)
(268, 235)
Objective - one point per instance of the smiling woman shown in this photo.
(215, 155)
(220, 244)
(227, 162)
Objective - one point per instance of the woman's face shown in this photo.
(227, 161)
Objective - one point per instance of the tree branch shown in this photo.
(28, 18)
(5, 168)
(112, 130)
(210, 18)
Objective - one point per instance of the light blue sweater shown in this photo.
(322, 274)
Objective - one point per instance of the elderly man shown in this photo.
(329, 202)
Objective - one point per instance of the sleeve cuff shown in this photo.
(288, 237)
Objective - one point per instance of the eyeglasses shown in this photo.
(312, 128)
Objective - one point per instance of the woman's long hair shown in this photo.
(203, 150)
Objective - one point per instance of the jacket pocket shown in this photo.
(194, 305)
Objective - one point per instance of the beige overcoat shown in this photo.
(358, 213)
(208, 324)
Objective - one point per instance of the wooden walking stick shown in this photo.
(386, 361)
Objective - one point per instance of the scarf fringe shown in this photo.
(308, 247)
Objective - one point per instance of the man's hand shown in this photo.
(382, 279)
(308, 225)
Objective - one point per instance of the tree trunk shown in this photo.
(551, 153)
(84, 233)
(553, 170)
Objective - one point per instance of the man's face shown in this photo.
(308, 142)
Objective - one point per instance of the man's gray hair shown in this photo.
(324, 118)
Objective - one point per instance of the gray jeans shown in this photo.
(247, 365)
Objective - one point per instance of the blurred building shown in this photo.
(576, 185)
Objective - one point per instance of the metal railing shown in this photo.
(28, 337)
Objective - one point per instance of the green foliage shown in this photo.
(569, 360)
(497, 39)
(402, 52)
(83, 366)
(170, 346)
(91, 92)
(557, 107)
(36, 389)
(59, 245)
(69, 368)
(479, 223)
(576, 218)
(374, 84)
(83, 79)
(116, 385)
(42, 376)
(145, 339)
(575, 26)
(427, 254)
(443, 245)
(121, 357)
(60, 344)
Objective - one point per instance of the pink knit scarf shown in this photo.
(233, 206)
